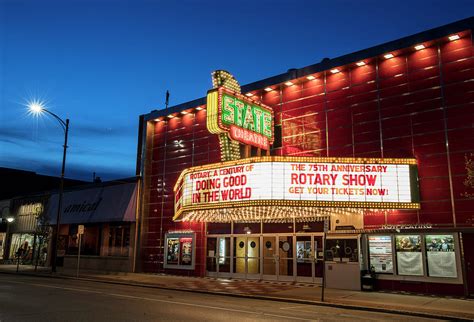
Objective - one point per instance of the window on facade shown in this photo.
(90, 240)
(179, 250)
(409, 256)
(381, 255)
(119, 240)
(342, 250)
(441, 256)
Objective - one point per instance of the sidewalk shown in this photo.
(427, 306)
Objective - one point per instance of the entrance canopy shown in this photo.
(108, 203)
(278, 214)
(273, 187)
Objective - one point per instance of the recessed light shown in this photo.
(310, 77)
(184, 112)
(420, 47)
(170, 116)
(199, 108)
(388, 56)
(454, 37)
(288, 83)
(268, 89)
(360, 63)
(335, 70)
(249, 94)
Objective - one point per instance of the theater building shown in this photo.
(352, 164)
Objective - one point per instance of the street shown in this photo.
(26, 298)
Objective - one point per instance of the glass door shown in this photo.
(309, 258)
(211, 257)
(270, 257)
(218, 256)
(285, 258)
(223, 256)
(246, 257)
(304, 258)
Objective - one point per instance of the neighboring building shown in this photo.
(360, 159)
(107, 211)
(23, 196)
(20, 182)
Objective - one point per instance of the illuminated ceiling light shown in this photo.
(453, 37)
(360, 63)
(199, 108)
(184, 112)
(388, 56)
(335, 70)
(420, 47)
(310, 77)
(288, 83)
(268, 89)
(249, 94)
(170, 116)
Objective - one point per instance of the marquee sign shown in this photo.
(246, 120)
(299, 181)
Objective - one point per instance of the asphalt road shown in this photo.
(25, 298)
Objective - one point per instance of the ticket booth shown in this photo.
(343, 265)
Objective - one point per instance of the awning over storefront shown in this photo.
(112, 203)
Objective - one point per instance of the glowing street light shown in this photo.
(37, 108)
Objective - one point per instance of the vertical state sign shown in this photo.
(245, 120)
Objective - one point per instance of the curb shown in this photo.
(256, 297)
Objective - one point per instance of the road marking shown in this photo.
(163, 301)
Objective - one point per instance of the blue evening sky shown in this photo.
(103, 63)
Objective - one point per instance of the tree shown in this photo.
(43, 233)
(469, 181)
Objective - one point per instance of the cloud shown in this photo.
(91, 130)
(73, 170)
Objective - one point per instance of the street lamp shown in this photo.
(37, 107)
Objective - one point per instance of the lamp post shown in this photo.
(37, 108)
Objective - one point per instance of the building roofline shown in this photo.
(326, 64)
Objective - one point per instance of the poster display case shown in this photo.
(381, 254)
(409, 255)
(179, 250)
(441, 256)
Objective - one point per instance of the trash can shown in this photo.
(367, 281)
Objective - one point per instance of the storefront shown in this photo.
(28, 234)
(356, 163)
(108, 213)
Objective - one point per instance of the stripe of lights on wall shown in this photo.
(290, 83)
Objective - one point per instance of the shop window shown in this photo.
(409, 256)
(342, 250)
(179, 250)
(90, 240)
(381, 255)
(119, 240)
(441, 256)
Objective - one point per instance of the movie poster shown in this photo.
(173, 251)
(186, 250)
(441, 256)
(409, 257)
(381, 257)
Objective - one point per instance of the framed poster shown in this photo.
(381, 255)
(441, 256)
(409, 256)
(172, 256)
(179, 250)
